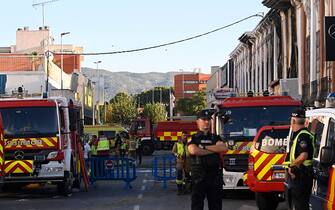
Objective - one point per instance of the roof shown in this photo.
(26, 103)
(323, 111)
(259, 101)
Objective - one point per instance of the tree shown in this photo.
(123, 109)
(156, 112)
(198, 102)
(191, 106)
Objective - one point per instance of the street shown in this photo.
(146, 194)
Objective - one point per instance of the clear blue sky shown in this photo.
(110, 25)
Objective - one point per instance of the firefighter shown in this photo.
(132, 147)
(300, 161)
(206, 171)
(183, 169)
(123, 148)
(138, 150)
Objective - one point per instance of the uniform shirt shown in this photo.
(304, 144)
(208, 162)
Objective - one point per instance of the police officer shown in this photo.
(206, 171)
(300, 160)
(180, 151)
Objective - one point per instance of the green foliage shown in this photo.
(156, 112)
(155, 95)
(123, 109)
(191, 106)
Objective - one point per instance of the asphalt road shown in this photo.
(146, 194)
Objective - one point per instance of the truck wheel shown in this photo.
(147, 148)
(65, 187)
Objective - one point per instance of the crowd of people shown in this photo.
(120, 146)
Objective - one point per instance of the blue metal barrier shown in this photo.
(112, 168)
(163, 168)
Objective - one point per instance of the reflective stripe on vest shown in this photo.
(103, 145)
(94, 150)
(294, 145)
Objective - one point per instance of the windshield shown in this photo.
(273, 141)
(245, 121)
(30, 121)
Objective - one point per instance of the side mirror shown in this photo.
(326, 155)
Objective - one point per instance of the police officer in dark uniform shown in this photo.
(300, 160)
(206, 171)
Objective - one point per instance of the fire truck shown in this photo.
(266, 175)
(40, 142)
(160, 136)
(238, 120)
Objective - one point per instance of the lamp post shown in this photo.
(99, 88)
(62, 57)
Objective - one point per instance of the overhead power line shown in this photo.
(170, 43)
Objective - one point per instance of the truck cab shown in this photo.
(41, 141)
(265, 175)
(238, 121)
(321, 122)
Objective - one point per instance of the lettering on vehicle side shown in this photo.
(205, 141)
(279, 142)
(24, 142)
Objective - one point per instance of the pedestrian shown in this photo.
(118, 143)
(206, 170)
(94, 144)
(183, 169)
(138, 150)
(123, 148)
(87, 151)
(300, 160)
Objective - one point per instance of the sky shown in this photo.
(113, 25)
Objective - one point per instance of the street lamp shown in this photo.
(99, 88)
(62, 57)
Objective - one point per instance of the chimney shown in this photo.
(26, 28)
(46, 27)
(19, 29)
(40, 28)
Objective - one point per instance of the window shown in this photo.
(191, 82)
(273, 141)
(189, 91)
(316, 126)
(331, 134)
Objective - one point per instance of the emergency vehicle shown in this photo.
(160, 136)
(238, 120)
(265, 175)
(41, 142)
(322, 125)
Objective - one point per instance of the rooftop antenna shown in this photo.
(45, 54)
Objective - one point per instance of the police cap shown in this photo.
(205, 114)
(299, 113)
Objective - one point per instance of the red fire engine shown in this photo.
(41, 142)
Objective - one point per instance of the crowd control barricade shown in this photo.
(164, 168)
(112, 168)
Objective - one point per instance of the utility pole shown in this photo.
(42, 4)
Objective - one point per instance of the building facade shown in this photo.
(186, 84)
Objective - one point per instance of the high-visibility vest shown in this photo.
(103, 144)
(294, 145)
(94, 150)
(181, 149)
(124, 145)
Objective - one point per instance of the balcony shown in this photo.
(325, 88)
(277, 4)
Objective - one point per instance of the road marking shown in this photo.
(137, 207)
(144, 181)
(143, 188)
(140, 196)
